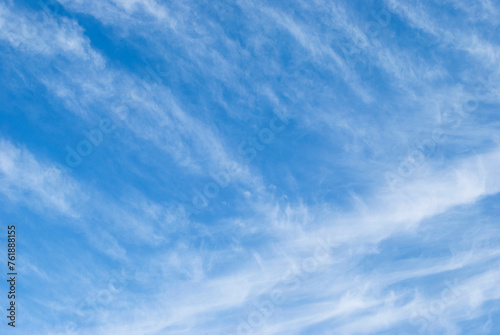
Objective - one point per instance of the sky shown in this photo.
(235, 167)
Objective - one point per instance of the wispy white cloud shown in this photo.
(353, 301)
(36, 184)
(310, 218)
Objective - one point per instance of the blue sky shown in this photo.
(252, 167)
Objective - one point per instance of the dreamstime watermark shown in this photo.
(453, 118)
